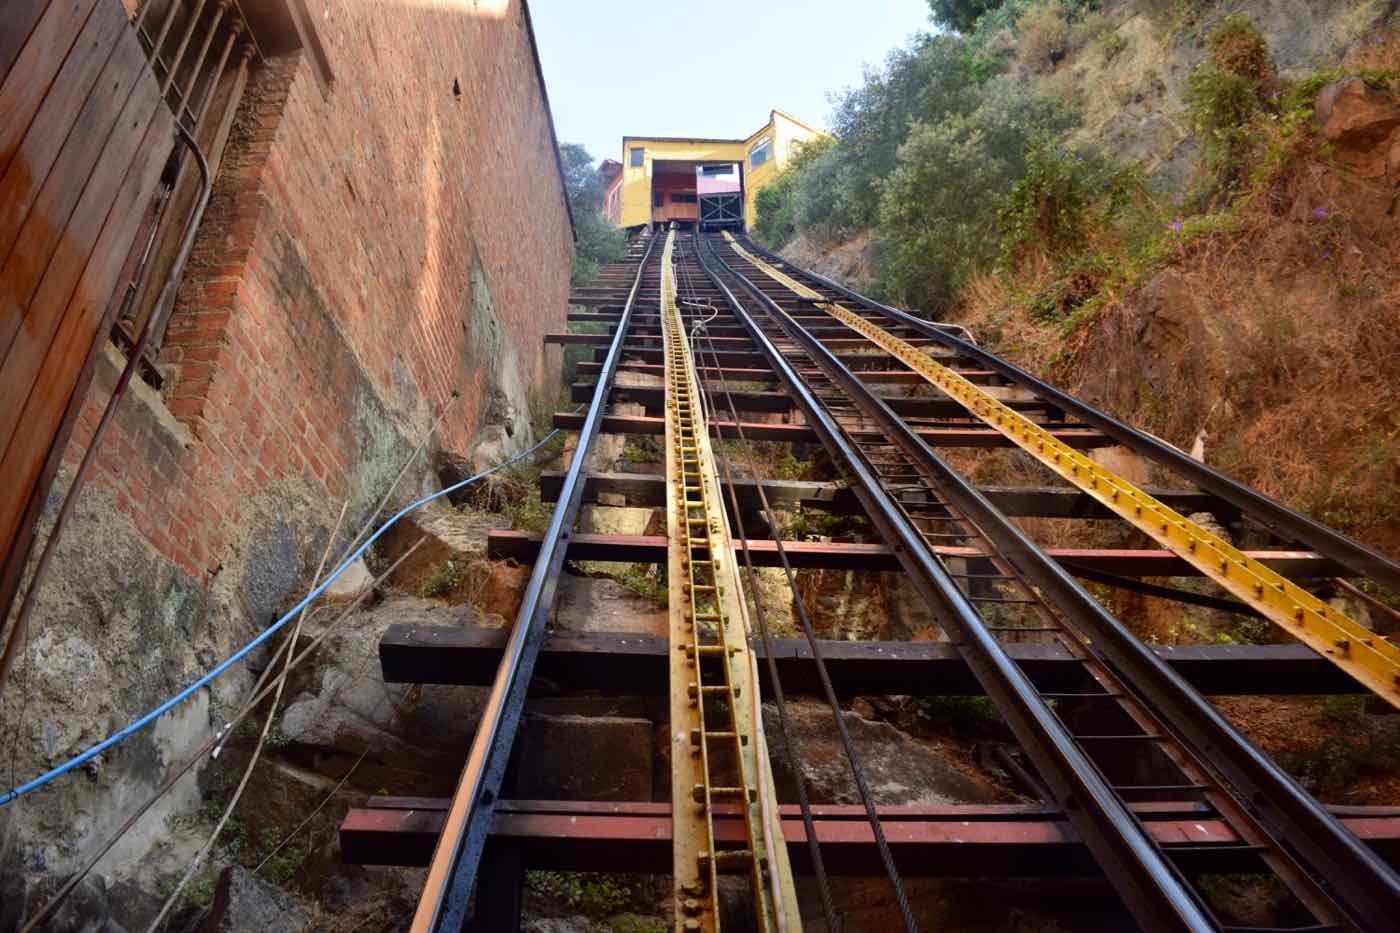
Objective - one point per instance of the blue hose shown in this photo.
(185, 694)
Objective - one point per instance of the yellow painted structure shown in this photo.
(779, 135)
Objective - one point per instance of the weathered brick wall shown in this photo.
(335, 262)
(334, 303)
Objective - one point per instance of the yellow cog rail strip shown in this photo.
(717, 748)
(1363, 654)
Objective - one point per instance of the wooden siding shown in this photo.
(83, 138)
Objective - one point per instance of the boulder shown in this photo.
(899, 768)
(574, 757)
(1351, 111)
(500, 591)
(1361, 121)
(350, 584)
(245, 903)
(87, 910)
(416, 732)
(600, 604)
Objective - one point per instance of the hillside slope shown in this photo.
(1206, 246)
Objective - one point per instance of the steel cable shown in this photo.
(780, 699)
(857, 772)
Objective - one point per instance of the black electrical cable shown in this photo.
(886, 856)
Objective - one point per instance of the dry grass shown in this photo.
(1044, 39)
(1277, 334)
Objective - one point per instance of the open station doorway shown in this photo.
(703, 195)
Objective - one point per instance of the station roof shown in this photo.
(708, 139)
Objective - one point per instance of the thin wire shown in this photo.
(857, 772)
(204, 749)
(257, 749)
(761, 616)
(136, 726)
(312, 815)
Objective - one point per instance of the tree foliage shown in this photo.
(1225, 92)
(952, 178)
(960, 15)
(598, 242)
(777, 202)
(1049, 206)
(833, 190)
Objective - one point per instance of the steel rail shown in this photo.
(1328, 631)
(714, 683)
(925, 462)
(1145, 881)
(1278, 518)
(818, 661)
(1365, 886)
(443, 904)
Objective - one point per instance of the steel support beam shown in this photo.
(634, 664)
(648, 489)
(1078, 438)
(986, 841)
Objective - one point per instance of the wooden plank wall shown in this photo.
(83, 138)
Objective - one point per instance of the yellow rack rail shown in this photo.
(718, 754)
(1363, 654)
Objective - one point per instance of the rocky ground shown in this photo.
(344, 734)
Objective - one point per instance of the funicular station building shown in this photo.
(708, 183)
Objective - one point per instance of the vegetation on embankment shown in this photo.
(596, 242)
(1140, 201)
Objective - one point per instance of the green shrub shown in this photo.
(1049, 205)
(1236, 47)
(595, 894)
(835, 190)
(1091, 27)
(1112, 44)
(938, 210)
(777, 202)
(650, 586)
(972, 713)
(1221, 105)
(1226, 93)
(284, 866)
(597, 241)
(960, 15)
(445, 578)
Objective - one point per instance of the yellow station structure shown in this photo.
(664, 178)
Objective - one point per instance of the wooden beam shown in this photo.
(654, 397)
(1124, 562)
(1078, 438)
(648, 490)
(764, 374)
(634, 664)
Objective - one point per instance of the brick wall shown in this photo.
(335, 301)
(320, 325)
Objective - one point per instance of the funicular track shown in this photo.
(1131, 754)
(1024, 595)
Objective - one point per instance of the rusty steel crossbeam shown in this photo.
(648, 489)
(1127, 562)
(999, 840)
